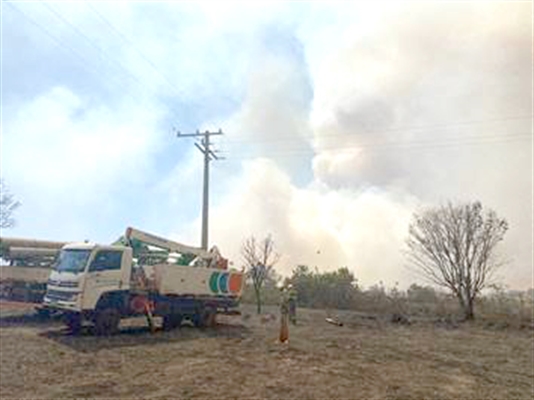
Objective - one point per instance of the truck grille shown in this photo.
(59, 295)
(65, 284)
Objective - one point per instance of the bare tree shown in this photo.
(8, 204)
(453, 246)
(259, 259)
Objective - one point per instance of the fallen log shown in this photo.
(334, 322)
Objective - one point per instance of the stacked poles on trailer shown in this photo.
(29, 262)
(29, 243)
(29, 252)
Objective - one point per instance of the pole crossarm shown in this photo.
(199, 134)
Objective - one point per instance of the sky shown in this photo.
(340, 121)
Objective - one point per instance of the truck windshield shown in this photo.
(72, 260)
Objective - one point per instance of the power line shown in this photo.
(50, 35)
(84, 61)
(90, 41)
(386, 143)
(407, 145)
(178, 91)
(427, 128)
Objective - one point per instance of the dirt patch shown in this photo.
(240, 358)
(8, 306)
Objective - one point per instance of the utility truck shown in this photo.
(25, 265)
(141, 274)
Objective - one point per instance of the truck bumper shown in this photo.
(59, 305)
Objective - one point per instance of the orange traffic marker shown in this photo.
(284, 329)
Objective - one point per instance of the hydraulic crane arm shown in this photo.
(165, 244)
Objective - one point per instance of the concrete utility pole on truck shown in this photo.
(101, 284)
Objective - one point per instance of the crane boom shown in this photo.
(150, 239)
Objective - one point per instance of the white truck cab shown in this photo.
(84, 272)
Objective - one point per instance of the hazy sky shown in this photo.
(340, 121)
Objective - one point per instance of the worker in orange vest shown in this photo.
(292, 303)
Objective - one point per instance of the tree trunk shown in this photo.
(469, 310)
(258, 299)
(464, 306)
(461, 301)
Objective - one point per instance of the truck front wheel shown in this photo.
(107, 321)
(73, 322)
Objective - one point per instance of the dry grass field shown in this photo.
(366, 358)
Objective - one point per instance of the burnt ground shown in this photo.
(365, 358)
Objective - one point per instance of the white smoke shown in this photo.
(430, 106)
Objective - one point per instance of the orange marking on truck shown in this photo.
(235, 282)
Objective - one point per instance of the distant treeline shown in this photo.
(340, 290)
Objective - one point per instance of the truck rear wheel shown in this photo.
(206, 318)
(171, 321)
(210, 318)
(107, 322)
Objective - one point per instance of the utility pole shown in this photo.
(209, 155)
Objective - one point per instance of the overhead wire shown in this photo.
(386, 146)
(85, 62)
(256, 141)
(178, 91)
(96, 46)
(104, 76)
(428, 128)
(246, 147)
(365, 144)
(54, 38)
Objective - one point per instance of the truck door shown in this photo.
(104, 275)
